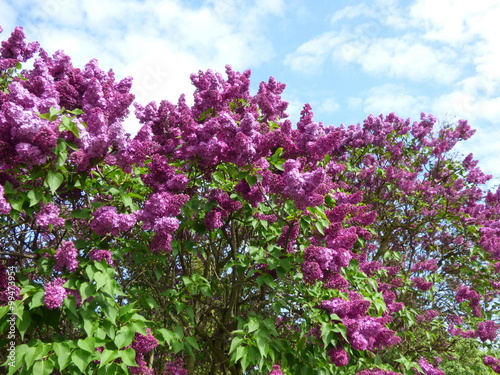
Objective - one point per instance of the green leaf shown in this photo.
(37, 299)
(34, 197)
(128, 357)
(101, 279)
(108, 356)
(63, 352)
(20, 353)
(23, 322)
(235, 344)
(88, 344)
(253, 324)
(192, 341)
(43, 367)
(124, 338)
(86, 290)
(54, 180)
(32, 354)
(83, 213)
(251, 180)
(81, 359)
(17, 204)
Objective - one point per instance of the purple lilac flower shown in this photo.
(16, 48)
(175, 367)
(276, 370)
(144, 344)
(55, 293)
(108, 221)
(65, 257)
(269, 218)
(49, 215)
(214, 218)
(4, 205)
(487, 330)
(338, 356)
(311, 272)
(427, 265)
(166, 225)
(429, 369)
(377, 372)
(99, 255)
(421, 283)
(466, 293)
(143, 368)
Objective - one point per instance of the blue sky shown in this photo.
(347, 58)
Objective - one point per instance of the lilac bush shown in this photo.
(225, 239)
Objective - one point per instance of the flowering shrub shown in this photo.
(224, 239)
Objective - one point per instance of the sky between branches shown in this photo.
(346, 58)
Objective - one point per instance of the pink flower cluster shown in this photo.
(175, 367)
(276, 370)
(54, 82)
(421, 283)
(159, 214)
(143, 344)
(99, 255)
(65, 257)
(465, 293)
(4, 205)
(49, 215)
(338, 356)
(493, 362)
(369, 333)
(107, 220)
(377, 372)
(55, 293)
(429, 369)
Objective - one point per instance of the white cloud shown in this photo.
(394, 98)
(451, 21)
(405, 58)
(310, 56)
(351, 11)
(328, 105)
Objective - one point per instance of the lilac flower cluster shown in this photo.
(377, 372)
(426, 265)
(338, 356)
(107, 220)
(55, 293)
(65, 257)
(4, 205)
(276, 370)
(49, 215)
(428, 316)
(493, 362)
(175, 367)
(54, 82)
(99, 255)
(15, 48)
(421, 283)
(465, 293)
(487, 330)
(143, 344)
(369, 333)
(429, 369)
(159, 214)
